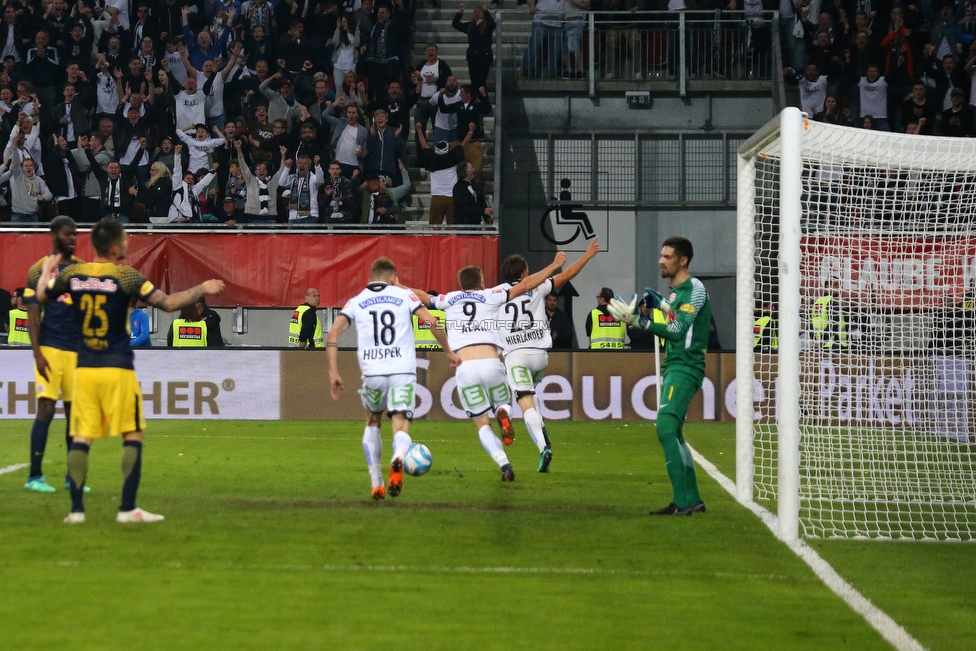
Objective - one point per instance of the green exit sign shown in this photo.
(638, 99)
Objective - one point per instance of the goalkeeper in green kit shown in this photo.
(686, 333)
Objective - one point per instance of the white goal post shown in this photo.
(856, 331)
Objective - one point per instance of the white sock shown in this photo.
(506, 408)
(533, 423)
(373, 448)
(493, 445)
(401, 443)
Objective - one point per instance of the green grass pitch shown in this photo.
(272, 542)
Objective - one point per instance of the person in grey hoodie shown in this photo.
(26, 188)
(280, 104)
(91, 186)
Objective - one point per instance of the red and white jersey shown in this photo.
(383, 315)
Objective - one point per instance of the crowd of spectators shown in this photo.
(222, 111)
(632, 38)
(877, 64)
(904, 66)
(301, 111)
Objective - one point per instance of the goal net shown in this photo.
(856, 331)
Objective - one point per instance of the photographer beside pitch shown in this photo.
(686, 333)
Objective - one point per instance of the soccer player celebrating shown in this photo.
(525, 335)
(383, 314)
(108, 400)
(54, 336)
(472, 316)
(686, 334)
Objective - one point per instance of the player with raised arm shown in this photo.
(108, 399)
(54, 335)
(472, 316)
(689, 315)
(525, 336)
(383, 314)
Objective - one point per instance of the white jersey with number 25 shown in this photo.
(472, 316)
(383, 317)
(523, 322)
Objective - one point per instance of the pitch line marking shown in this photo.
(13, 468)
(447, 569)
(889, 629)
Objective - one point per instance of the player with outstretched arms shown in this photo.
(689, 315)
(54, 334)
(525, 336)
(472, 317)
(383, 314)
(108, 399)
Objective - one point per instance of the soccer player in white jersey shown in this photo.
(383, 316)
(524, 331)
(471, 316)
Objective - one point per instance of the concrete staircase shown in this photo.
(435, 25)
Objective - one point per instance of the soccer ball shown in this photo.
(418, 460)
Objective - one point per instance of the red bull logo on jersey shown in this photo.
(94, 284)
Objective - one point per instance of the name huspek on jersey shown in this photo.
(384, 327)
(471, 317)
(522, 320)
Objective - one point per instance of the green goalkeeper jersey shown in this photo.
(687, 329)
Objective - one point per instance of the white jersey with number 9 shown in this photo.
(471, 317)
(383, 317)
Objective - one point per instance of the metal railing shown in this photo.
(646, 45)
(408, 228)
(654, 170)
(496, 189)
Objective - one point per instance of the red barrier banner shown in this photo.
(890, 272)
(273, 270)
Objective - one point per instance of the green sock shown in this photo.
(691, 483)
(667, 433)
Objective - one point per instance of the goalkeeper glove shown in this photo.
(655, 301)
(623, 311)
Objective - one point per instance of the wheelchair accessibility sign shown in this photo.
(570, 226)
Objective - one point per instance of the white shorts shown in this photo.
(481, 385)
(524, 367)
(395, 393)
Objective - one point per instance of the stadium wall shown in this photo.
(290, 384)
(273, 270)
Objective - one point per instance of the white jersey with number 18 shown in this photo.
(383, 317)
(471, 317)
(523, 321)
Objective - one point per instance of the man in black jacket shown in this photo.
(59, 166)
(118, 188)
(473, 106)
(397, 106)
(130, 134)
(470, 205)
(560, 325)
(381, 51)
(71, 117)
